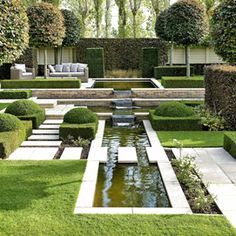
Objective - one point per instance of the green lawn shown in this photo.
(192, 138)
(38, 198)
(3, 105)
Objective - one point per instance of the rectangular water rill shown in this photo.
(129, 185)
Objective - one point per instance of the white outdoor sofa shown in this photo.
(77, 70)
(20, 71)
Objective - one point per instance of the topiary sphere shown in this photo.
(80, 116)
(174, 109)
(9, 122)
(23, 107)
(13, 30)
(224, 30)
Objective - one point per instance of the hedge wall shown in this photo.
(121, 53)
(220, 96)
(15, 94)
(230, 143)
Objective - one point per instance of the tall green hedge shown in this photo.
(230, 143)
(95, 61)
(150, 59)
(15, 94)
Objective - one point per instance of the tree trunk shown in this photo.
(171, 53)
(134, 25)
(45, 63)
(187, 49)
(61, 55)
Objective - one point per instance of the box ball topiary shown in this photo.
(80, 116)
(9, 122)
(174, 109)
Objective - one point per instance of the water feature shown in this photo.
(128, 185)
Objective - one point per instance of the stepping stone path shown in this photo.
(127, 155)
(218, 170)
(71, 153)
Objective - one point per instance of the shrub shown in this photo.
(15, 94)
(28, 127)
(42, 83)
(150, 59)
(27, 110)
(174, 123)
(230, 143)
(220, 84)
(14, 30)
(9, 122)
(171, 71)
(182, 82)
(160, 26)
(80, 116)
(174, 109)
(223, 30)
(95, 61)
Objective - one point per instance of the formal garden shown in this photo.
(118, 130)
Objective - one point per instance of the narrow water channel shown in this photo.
(128, 185)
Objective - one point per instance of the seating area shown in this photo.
(20, 71)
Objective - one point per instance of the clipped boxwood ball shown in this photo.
(23, 107)
(174, 109)
(9, 122)
(80, 116)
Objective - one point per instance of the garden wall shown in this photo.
(220, 96)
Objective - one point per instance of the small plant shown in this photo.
(79, 142)
(179, 145)
(211, 121)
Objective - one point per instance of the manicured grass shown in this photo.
(192, 138)
(38, 198)
(3, 105)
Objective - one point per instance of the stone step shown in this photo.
(46, 103)
(41, 144)
(45, 131)
(49, 126)
(53, 122)
(31, 153)
(44, 137)
(71, 153)
(98, 154)
(127, 155)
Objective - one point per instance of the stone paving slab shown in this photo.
(98, 154)
(127, 155)
(231, 216)
(45, 131)
(71, 153)
(91, 171)
(167, 172)
(219, 155)
(34, 154)
(44, 137)
(152, 136)
(41, 144)
(46, 103)
(156, 154)
(49, 126)
(97, 142)
(52, 122)
(160, 210)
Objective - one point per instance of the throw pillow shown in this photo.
(20, 67)
(66, 68)
(74, 67)
(51, 68)
(58, 68)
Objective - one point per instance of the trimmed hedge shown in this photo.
(27, 110)
(220, 95)
(28, 127)
(230, 143)
(15, 94)
(182, 82)
(9, 122)
(86, 131)
(41, 83)
(150, 59)
(160, 71)
(95, 61)
(174, 123)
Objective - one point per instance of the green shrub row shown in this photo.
(174, 123)
(15, 94)
(85, 131)
(182, 82)
(150, 59)
(95, 61)
(230, 143)
(160, 71)
(41, 83)
(28, 127)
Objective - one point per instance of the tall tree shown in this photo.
(46, 28)
(98, 15)
(134, 6)
(108, 18)
(13, 30)
(159, 5)
(122, 17)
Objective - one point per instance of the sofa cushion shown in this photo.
(58, 68)
(51, 68)
(74, 67)
(20, 67)
(66, 68)
(81, 67)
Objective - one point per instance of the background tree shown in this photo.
(98, 15)
(122, 17)
(224, 30)
(108, 18)
(159, 5)
(46, 28)
(134, 6)
(186, 24)
(13, 30)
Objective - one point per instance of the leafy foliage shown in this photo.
(72, 26)
(160, 27)
(46, 25)
(186, 22)
(9, 122)
(224, 30)
(13, 30)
